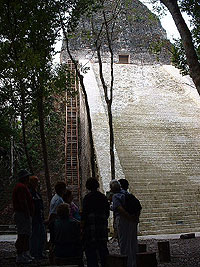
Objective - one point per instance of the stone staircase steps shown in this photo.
(163, 187)
(163, 194)
(165, 216)
(184, 225)
(156, 126)
(157, 208)
(157, 140)
(171, 229)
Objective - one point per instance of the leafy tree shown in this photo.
(106, 36)
(188, 43)
(28, 32)
(80, 76)
(69, 24)
(192, 8)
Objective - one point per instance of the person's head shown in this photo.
(63, 211)
(115, 186)
(33, 181)
(92, 184)
(60, 188)
(23, 176)
(68, 197)
(124, 184)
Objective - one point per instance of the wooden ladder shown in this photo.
(71, 136)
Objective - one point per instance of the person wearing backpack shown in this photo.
(132, 204)
(126, 223)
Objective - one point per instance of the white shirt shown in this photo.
(55, 202)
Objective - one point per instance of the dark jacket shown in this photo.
(95, 215)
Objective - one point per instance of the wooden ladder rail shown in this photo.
(71, 137)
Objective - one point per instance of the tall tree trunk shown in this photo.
(187, 42)
(12, 155)
(108, 98)
(23, 102)
(40, 108)
(25, 142)
(112, 155)
(80, 76)
(109, 108)
(24, 128)
(92, 156)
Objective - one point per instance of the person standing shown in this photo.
(38, 236)
(124, 184)
(67, 234)
(94, 221)
(74, 212)
(126, 224)
(57, 199)
(23, 212)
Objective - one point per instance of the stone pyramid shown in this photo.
(156, 125)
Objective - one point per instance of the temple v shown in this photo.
(156, 123)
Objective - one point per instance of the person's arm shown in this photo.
(107, 207)
(53, 211)
(126, 215)
(118, 201)
(51, 218)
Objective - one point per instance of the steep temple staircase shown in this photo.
(156, 125)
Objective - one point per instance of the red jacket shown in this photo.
(22, 199)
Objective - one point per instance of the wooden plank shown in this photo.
(146, 259)
(115, 260)
(187, 236)
(164, 251)
(142, 247)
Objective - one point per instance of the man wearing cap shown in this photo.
(23, 211)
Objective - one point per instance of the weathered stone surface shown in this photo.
(100, 130)
(136, 31)
(156, 125)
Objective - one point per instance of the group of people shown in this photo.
(29, 218)
(72, 232)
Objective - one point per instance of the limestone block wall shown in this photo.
(155, 116)
(157, 125)
(136, 31)
(100, 129)
(84, 145)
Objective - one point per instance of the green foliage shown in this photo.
(158, 8)
(179, 58)
(77, 9)
(6, 130)
(152, 17)
(192, 8)
(28, 31)
(156, 47)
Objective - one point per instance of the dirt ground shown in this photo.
(184, 252)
